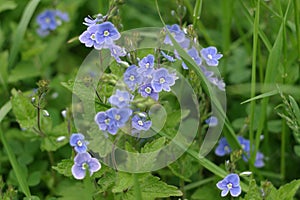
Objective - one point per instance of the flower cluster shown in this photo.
(49, 20)
(206, 57)
(230, 184)
(223, 149)
(147, 81)
(83, 161)
(102, 35)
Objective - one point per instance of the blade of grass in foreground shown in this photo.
(20, 31)
(12, 158)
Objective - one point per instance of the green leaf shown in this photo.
(70, 190)
(64, 167)
(253, 192)
(23, 70)
(31, 198)
(50, 142)
(34, 178)
(3, 68)
(4, 110)
(151, 187)
(297, 150)
(207, 192)
(23, 109)
(7, 5)
(288, 191)
(295, 108)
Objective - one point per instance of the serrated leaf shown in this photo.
(23, 109)
(151, 187)
(288, 191)
(154, 145)
(253, 192)
(64, 167)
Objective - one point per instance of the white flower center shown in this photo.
(209, 56)
(226, 148)
(131, 78)
(84, 166)
(118, 117)
(162, 80)
(106, 33)
(107, 121)
(229, 186)
(243, 146)
(140, 122)
(47, 20)
(79, 143)
(93, 37)
(147, 65)
(121, 99)
(148, 90)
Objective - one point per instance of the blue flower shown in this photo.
(169, 58)
(83, 162)
(89, 21)
(245, 144)
(119, 116)
(77, 141)
(140, 123)
(120, 99)
(88, 37)
(49, 20)
(176, 32)
(211, 56)
(105, 123)
(212, 121)
(176, 54)
(231, 183)
(106, 34)
(195, 55)
(117, 52)
(223, 147)
(162, 80)
(147, 90)
(259, 162)
(132, 78)
(146, 65)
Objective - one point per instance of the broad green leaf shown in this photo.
(50, 142)
(64, 167)
(253, 192)
(207, 192)
(23, 70)
(70, 190)
(34, 178)
(23, 109)
(288, 191)
(4, 110)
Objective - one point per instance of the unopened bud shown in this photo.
(46, 113)
(64, 113)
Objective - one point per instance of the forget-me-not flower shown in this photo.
(106, 34)
(119, 116)
(176, 32)
(105, 123)
(120, 99)
(211, 56)
(84, 162)
(212, 121)
(117, 52)
(78, 142)
(147, 90)
(162, 80)
(168, 57)
(230, 184)
(146, 65)
(132, 78)
(88, 37)
(193, 52)
(140, 123)
(223, 148)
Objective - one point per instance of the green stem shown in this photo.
(138, 193)
(198, 183)
(297, 23)
(197, 11)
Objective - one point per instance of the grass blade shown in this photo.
(261, 96)
(4, 110)
(197, 11)
(20, 31)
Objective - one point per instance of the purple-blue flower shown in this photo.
(146, 65)
(77, 141)
(106, 34)
(120, 99)
(223, 148)
(169, 58)
(176, 32)
(176, 54)
(119, 116)
(49, 20)
(211, 56)
(147, 90)
(117, 52)
(140, 123)
(230, 184)
(259, 160)
(132, 78)
(83, 162)
(89, 21)
(212, 121)
(88, 37)
(245, 144)
(193, 52)
(105, 123)
(162, 80)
